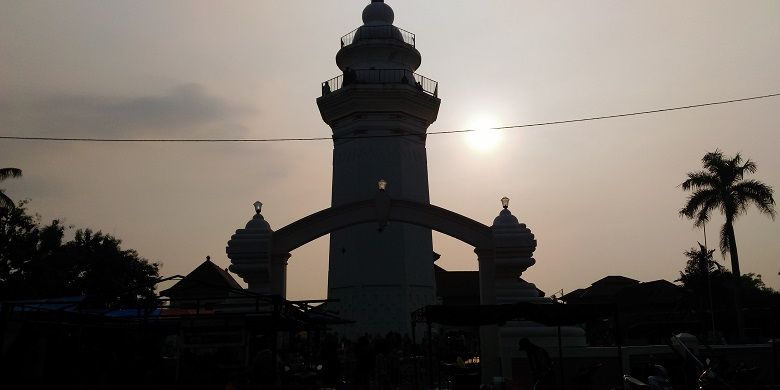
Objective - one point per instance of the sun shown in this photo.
(483, 139)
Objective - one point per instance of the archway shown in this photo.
(504, 250)
(381, 211)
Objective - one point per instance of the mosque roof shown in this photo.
(623, 290)
(206, 278)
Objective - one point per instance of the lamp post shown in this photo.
(505, 202)
(258, 207)
(382, 204)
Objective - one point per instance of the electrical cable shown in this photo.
(305, 139)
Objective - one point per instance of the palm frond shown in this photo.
(756, 193)
(692, 254)
(699, 205)
(696, 254)
(700, 179)
(713, 161)
(5, 173)
(724, 240)
(699, 263)
(736, 160)
(704, 213)
(750, 166)
(5, 201)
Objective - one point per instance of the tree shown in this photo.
(35, 263)
(700, 273)
(699, 267)
(712, 286)
(96, 266)
(23, 241)
(722, 186)
(756, 292)
(5, 173)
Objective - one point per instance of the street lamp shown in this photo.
(258, 207)
(505, 202)
(382, 184)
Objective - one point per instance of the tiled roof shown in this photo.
(207, 277)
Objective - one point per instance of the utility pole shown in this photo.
(709, 280)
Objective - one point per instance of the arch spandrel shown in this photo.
(336, 218)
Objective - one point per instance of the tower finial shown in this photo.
(378, 13)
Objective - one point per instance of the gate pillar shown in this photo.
(278, 277)
(489, 355)
(249, 252)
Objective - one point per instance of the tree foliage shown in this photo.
(5, 173)
(703, 275)
(699, 266)
(722, 186)
(35, 263)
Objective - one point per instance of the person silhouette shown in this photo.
(540, 364)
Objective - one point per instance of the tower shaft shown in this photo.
(379, 111)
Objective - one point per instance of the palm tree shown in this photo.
(700, 263)
(5, 173)
(722, 186)
(697, 276)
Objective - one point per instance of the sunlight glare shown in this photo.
(483, 140)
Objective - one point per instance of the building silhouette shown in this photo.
(207, 283)
(379, 276)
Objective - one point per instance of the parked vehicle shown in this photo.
(658, 380)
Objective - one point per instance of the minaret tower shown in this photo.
(379, 110)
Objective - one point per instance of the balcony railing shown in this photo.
(381, 76)
(378, 32)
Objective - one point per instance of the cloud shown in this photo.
(185, 110)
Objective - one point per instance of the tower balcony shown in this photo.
(378, 32)
(378, 47)
(381, 76)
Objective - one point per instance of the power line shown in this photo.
(303, 139)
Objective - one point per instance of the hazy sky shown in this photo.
(601, 197)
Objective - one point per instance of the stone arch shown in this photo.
(380, 211)
(504, 250)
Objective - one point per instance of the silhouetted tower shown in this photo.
(380, 277)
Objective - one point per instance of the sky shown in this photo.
(602, 197)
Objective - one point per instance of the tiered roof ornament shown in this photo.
(514, 247)
(249, 252)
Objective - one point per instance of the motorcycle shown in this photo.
(740, 378)
(717, 376)
(658, 380)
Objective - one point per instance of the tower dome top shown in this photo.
(258, 224)
(507, 227)
(505, 219)
(378, 14)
